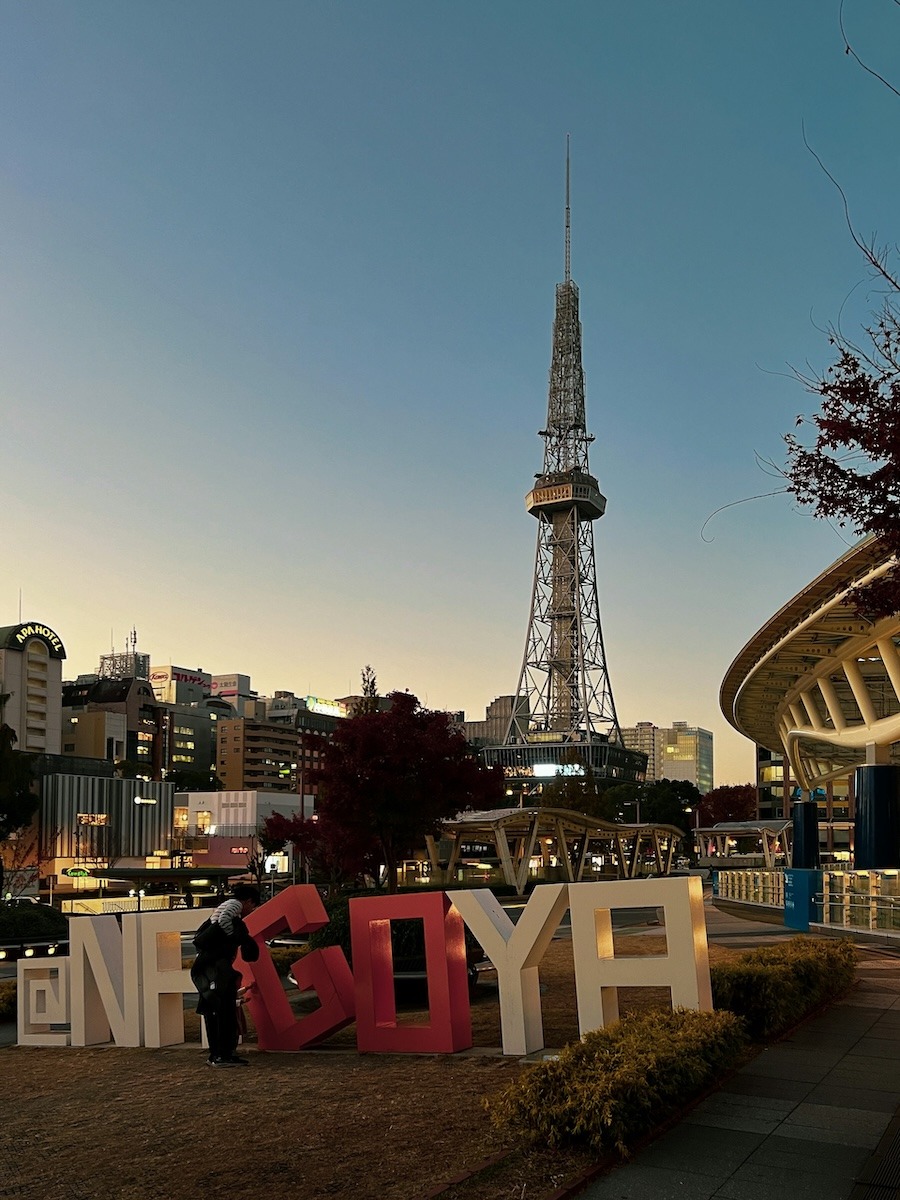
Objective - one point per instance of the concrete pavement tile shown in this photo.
(758, 1182)
(876, 1047)
(884, 1032)
(847, 1126)
(800, 1154)
(691, 1148)
(754, 1114)
(759, 1105)
(745, 1083)
(866, 1000)
(854, 1097)
(637, 1182)
(872, 1080)
(750, 1123)
(802, 1065)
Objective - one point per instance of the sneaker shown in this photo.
(236, 1061)
(221, 1062)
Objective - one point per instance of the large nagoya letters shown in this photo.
(684, 968)
(297, 909)
(450, 1025)
(515, 951)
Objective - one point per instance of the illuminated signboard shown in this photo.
(331, 708)
(17, 637)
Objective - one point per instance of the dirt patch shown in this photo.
(161, 1125)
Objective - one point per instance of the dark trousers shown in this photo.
(221, 1023)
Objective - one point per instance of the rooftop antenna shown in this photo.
(568, 220)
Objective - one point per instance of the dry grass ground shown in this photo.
(160, 1125)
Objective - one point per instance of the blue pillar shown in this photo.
(801, 889)
(877, 827)
(806, 835)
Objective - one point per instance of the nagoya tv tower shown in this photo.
(564, 709)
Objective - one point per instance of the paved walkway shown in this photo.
(814, 1116)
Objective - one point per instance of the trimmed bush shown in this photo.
(285, 956)
(774, 987)
(8, 1000)
(622, 1081)
(24, 922)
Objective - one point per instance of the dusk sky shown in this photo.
(277, 284)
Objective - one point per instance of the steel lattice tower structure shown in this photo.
(564, 698)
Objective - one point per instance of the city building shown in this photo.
(180, 685)
(93, 821)
(218, 829)
(236, 690)
(776, 791)
(314, 721)
(680, 752)
(566, 712)
(257, 755)
(131, 698)
(31, 658)
(497, 716)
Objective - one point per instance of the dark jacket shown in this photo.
(214, 976)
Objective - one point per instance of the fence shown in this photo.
(849, 899)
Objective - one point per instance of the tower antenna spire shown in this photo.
(568, 220)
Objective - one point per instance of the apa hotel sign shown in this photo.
(17, 636)
(126, 984)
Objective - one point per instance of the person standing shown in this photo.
(218, 941)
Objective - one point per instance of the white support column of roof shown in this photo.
(860, 693)
(797, 715)
(809, 703)
(891, 660)
(832, 703)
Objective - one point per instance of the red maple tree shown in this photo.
(388, 778)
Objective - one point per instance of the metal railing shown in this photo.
(752, 887)
(848, 899)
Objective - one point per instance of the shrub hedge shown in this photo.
(8, 1000)
(20, 922)
(774, 987)
(621, 1081)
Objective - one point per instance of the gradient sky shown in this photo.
(277, 284)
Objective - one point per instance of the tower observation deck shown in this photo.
(565, 713)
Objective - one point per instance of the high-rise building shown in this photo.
(565, 712)
(31, 658)
(681, 752)
(180, 685)
(257, 755)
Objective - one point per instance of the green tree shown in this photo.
(195, 781)
(662, 802)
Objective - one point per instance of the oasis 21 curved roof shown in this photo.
(818, 682)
